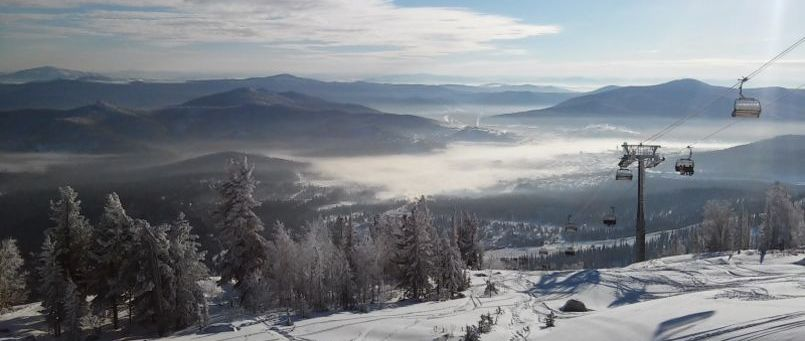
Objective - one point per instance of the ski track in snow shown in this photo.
(709, 297)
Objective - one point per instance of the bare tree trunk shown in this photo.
(115, 320)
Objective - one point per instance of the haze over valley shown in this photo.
(402, 170)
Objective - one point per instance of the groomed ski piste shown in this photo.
(687, 297)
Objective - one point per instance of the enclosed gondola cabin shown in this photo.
(623, 174)
(745, 106)
(543, 252)
(570, 251)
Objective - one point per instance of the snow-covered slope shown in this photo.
(681, 298)
(714, 297)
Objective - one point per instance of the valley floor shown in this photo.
(712, 297)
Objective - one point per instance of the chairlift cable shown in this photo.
(775, 58)
(751, 75)
(734, 122)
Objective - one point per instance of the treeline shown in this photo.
(730, 226)
(330, 264)
(725, 226)
(154, 271)
(155, 275)
(619, 254)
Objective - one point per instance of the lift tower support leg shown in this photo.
(645, 156)
(640, 224)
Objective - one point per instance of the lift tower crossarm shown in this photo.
(646, 157)
(634, 152)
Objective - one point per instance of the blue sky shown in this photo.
(577, 43)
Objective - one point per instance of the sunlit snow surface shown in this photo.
(681, 298)
(715, 297)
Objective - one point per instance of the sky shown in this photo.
(560, 42)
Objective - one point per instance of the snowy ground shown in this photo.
(677, 298)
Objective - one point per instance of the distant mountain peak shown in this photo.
(48, 73)
(101, 107)
(236, 97)
(287, 76)
(686, 82)
(255, 96)
(672, 99)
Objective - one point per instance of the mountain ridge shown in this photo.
(149, 95)
(241, 117)
(48, 73)
(671, 100)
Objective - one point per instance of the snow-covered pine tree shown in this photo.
(187, 262)
(72, 237)
(717, 228)
(74, 306)
(368, 270)
(52, 285)
(451, 276)
(245, 251)
(323, 268)
(346, 250)
(154, 294)
(338, 230)
(65, 259)
(441, 266)
(384, 232)
(415, 252)
(783, 222)
(284, 269)
(467, 235)
(112, 252)
(12, 275)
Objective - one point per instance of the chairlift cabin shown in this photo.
(684, 166)
(745, 106)
(570, 227)
(570, 251)
(609, 218)
(623, 174)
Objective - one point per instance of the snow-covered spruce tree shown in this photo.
(783, 221)
(324, 269)
(65, 259)
(284, 269)
(384, 232)
(339, 230)
(450, 275)
(467, 235)
(187, 262)
(72, 236)
(12, 275)
(717, 228)
(74, 307)
(52, 285)
(367, 270)
(345, 246)
(245, 251)
(154, 293)
(112, 252)
(415, 252)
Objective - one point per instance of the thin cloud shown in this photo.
(371, 24)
